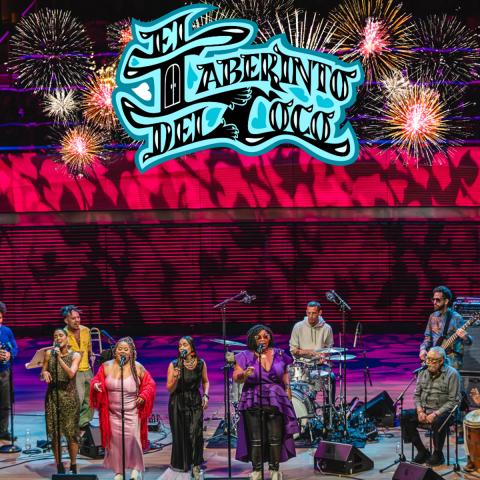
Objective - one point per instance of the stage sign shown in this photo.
(182, 89)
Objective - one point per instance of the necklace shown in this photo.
(190, 363)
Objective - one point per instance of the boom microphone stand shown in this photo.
(12, 448)
(333, 296)
(401, 454)
(122, 363)
(456, 466)
(227, 368)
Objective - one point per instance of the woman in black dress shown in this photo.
(185, 408)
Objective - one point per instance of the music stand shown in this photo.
(38, 358)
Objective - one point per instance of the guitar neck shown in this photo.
(451, 340)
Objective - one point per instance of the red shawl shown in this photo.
(100, 401)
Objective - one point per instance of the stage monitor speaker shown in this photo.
(91, 443)
(332, 457)
(381, 409)
(413, 471)
(78, 476)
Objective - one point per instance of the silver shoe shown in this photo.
(197, 472)
(255, 475)
(276, 475)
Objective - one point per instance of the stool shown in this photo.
(428, 428)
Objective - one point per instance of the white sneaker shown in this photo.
(276, 475)
(136, 475)
(118, 476)
(255, 475)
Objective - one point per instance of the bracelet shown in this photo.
(206, 396)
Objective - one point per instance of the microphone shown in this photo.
(330, 296)
(106, 334)
(123, 360)
(55, 345)
(419, 369)
(183, 353)
(358, 332)
(248, 298)
(260, 348)
(333, 296)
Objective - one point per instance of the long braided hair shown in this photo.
(133, 357)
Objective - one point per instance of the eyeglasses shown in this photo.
(437, 300)
(433, 360)
(262, 337)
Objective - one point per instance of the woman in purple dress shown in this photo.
(268, 410)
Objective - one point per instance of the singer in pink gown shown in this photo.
(139, 395)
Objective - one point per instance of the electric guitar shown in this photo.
(447, 343)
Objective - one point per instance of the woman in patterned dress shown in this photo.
(61, 402)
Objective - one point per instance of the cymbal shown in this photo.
(341, 358)
(230, 343)
(331, 350)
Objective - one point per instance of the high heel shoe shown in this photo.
(60, 468)
(73, 468)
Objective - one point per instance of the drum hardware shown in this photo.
(342, 358)
(330, 350)
(228, 343)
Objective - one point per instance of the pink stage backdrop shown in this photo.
(70, 240)
(286, 178)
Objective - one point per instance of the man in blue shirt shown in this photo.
(444, 322)
(8, 351)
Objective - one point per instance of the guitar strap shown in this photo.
(448, 318)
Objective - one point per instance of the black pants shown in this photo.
(4, 400)
(410, 431)
(272, 436)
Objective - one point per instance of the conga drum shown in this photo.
(472, 436)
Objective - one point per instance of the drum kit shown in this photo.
(313, 387)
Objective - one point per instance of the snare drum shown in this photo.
(304, 409)
(472, 436)
(299, 372)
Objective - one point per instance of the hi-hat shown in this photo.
(331, 350)
(230, 343)
(341, 358)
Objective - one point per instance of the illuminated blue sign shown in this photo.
(182, 89)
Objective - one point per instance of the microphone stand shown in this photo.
(181, 362)
(366, 375)
(456, 466)
(401, 454)
(123, 417)
(226, 375)
(260, 398)
(12, 448)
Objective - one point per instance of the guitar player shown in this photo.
(442, 324)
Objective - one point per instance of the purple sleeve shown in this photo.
(241, 360)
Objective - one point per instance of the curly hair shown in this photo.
(133, 357)
(68, 309)
(445, 291)
(252, 334)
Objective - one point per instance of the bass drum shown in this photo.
(304, 409)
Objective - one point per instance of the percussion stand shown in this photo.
(226, 375)
(401, 454)
(456, 466)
